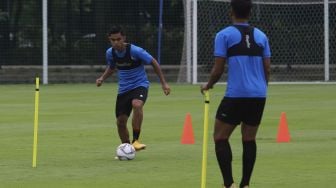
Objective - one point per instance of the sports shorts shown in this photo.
(124, 100)
(235, 111)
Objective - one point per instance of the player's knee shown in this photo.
(121, 121)
(247, 138)
(137, 104)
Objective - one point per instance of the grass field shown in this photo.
(77, 139)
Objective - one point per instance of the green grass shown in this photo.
(77, 139)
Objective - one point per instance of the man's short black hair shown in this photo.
(116, 29)
(241, 8)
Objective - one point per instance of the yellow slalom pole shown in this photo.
(36, 120)
(205, 138)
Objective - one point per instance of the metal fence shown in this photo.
(77, 30)
(77, 36)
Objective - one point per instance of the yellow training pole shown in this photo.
(205, 138)
(36, 121)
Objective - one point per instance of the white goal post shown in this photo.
(301, 34)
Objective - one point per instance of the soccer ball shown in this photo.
(125, 152)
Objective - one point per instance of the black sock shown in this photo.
(249, 157)
(127, 141)
(224, 158)
(136, 134)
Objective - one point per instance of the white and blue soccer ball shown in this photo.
(125, 152)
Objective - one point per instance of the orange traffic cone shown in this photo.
(283, 133)
(187, 134)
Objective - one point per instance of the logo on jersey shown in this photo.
(124, 64)
(247, 40)
(223, 115)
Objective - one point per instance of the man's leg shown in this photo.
(249, 152)
(222, 134)
(137, 106)
(122, 128)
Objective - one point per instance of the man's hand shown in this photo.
(205, 87)
(166, 88)
(99, 82)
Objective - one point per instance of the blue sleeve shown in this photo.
(109, 59)
(140, 53)
(267, 49)
(220, 48)
(262, 40)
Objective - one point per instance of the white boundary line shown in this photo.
(283, 3)
(286, 83)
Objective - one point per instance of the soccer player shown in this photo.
(246, 51)
(129, 61)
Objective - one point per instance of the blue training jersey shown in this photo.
(130, 76)
(246, 77)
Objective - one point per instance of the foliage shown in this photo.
(76, 29)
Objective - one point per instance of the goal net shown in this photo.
(302, 36)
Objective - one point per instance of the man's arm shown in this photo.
(108, 72)
(157, 70)
(216, 72)
(267, 68)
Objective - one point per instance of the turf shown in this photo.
(77, 139)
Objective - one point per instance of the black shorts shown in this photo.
(241, 110)
(124, 100)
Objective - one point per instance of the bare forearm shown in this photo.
(158, 71)
(267, 75)
(267, 68)
(214, 77)
(108, 72)
(216, 72)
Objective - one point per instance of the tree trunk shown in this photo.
(69, 37)
(16, 17)
(99, 12)
(182, 76)
(4, 32)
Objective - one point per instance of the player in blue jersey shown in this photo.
(245, 50)
(129, 60)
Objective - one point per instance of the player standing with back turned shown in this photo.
(129, 61)
(246, 51)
